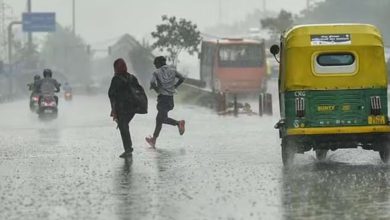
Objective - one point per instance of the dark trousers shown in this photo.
(123, 125)
(164, 105)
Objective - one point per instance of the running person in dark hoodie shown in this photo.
(165, 81)
(122, 106)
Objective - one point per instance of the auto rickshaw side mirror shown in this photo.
(274, 49)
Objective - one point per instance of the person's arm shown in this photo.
(153, 83)
(180, 79)
(112, 94)
(57, 85)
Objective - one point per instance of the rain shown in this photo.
(248, 135)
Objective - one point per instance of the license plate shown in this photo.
(48, 111)
(376, 120)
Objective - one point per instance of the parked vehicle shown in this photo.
(332, 90)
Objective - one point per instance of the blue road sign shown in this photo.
(39, 22)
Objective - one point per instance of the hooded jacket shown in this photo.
(121, 97)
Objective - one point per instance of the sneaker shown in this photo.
(126, 154)
(181, 127)
(151, 141)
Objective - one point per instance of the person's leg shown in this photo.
(160, 118)
(169, 105)
(123, 124)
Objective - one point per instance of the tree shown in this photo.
(175, 35)
(68, 54)
(277, 25)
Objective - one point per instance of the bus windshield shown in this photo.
(241, 56)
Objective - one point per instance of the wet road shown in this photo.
(222, 168)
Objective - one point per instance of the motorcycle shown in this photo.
(48, 107)
(34, 105)
(68, 96)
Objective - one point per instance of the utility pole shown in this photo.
(29, 33)
(74, 16)
(264, 6)
(10, 41)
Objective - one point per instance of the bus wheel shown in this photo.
(385, 154)
(220, 101)
(288, 152)
(321, 154)
(261, 104)
(267, 103)
(235, 105)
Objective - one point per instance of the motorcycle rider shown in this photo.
(49, 86)
(33, 87)
(67, 87)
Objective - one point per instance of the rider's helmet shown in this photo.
(47, 73)
(37, 77)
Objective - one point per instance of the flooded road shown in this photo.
(222, 168)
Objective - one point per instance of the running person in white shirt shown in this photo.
(165, 81)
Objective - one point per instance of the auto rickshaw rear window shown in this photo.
(336, 59)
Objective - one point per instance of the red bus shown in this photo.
(231, 67)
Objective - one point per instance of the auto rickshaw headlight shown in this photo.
(376, 105)
(300, 107)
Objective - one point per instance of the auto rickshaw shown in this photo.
(332, 90)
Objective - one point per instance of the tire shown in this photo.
(220, 100)
(267, 104)
(288, 152)
(385, 154)
(321, 154)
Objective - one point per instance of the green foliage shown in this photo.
(68, 54)
(175, 35)
(279, 24)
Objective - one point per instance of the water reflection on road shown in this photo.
(335, 190)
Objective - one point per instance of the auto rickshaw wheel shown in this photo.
(321, 154)
(385, 154)
(288, 152)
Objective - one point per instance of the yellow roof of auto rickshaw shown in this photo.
(363, 40)
(365, 34)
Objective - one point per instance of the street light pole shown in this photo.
(29, 33)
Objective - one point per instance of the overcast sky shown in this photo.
(98, 21)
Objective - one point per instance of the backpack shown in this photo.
(140, 99)
(136, 95)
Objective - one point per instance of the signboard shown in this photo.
(39, 22)
(330, 39)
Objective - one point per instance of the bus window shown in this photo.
(241, 56)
